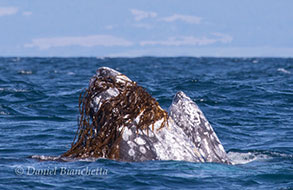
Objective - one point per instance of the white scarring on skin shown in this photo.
(221, 147)
(131, 152)
(142, 150)
(207, 146)
(113, 92)
(198, 138)
(106, 95)
(131, 144)
(126, 133)
(139, 141)
(170, 142)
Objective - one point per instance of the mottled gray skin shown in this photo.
(187, 115)
(188, 136)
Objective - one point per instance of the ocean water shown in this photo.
(248, 101)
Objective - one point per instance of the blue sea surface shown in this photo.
(248, 101)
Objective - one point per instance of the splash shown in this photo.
(246, 157)
(61, 159)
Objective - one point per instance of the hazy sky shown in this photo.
(146, 27)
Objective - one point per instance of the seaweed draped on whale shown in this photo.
(119, 120)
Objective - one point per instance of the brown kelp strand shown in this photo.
(100, 129)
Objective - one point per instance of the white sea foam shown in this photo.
(63, 159)
(12, 90)
(24, 72)
(3, 113)
(42, 157)
(246, 157)
(283, 70)
(70, 73)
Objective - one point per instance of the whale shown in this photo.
(119, 120)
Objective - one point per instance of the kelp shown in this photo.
(100, 130)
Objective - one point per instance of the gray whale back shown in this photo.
(187, 115)
(187, 135)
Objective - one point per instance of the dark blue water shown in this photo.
(249, 102)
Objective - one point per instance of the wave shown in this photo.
(283, 70)
(247, 157)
